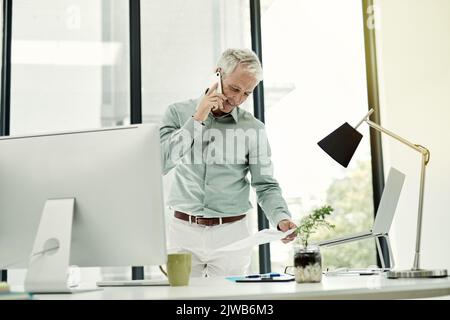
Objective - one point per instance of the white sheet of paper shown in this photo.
(261, 237)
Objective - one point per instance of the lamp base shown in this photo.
(420, 273)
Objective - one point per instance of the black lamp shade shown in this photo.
(341, 144)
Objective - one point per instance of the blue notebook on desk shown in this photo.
(269, 277)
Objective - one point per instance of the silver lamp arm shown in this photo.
(425, 159)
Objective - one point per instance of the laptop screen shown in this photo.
(388, 202)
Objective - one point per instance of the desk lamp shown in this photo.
(341, 145)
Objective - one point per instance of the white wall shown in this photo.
(414, 64)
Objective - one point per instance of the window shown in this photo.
(70, 65)
(181, 43)
(70, 70)
(314, 80)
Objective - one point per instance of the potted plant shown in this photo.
(307, 258)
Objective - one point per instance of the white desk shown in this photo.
(331, 287)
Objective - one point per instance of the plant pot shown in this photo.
(307, 264)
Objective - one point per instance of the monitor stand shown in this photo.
(48, 269)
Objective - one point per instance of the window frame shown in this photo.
(258, 97)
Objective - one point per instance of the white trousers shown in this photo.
(201, 242)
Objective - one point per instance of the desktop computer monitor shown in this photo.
(95, 195)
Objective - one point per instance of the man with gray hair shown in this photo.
(210, 191)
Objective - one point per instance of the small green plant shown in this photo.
(309, 224)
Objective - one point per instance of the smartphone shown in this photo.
(219, 82)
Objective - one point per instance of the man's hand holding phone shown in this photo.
(211, 101)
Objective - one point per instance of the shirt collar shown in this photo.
(234, 114)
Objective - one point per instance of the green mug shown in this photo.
(178, 268)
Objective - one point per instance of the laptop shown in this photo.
(385, 212)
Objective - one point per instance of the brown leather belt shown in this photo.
(206, 221)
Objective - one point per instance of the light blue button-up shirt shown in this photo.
(212, 161)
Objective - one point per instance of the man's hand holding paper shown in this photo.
(261, 237)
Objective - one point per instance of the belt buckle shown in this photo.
(206, 221)
(195, 219)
